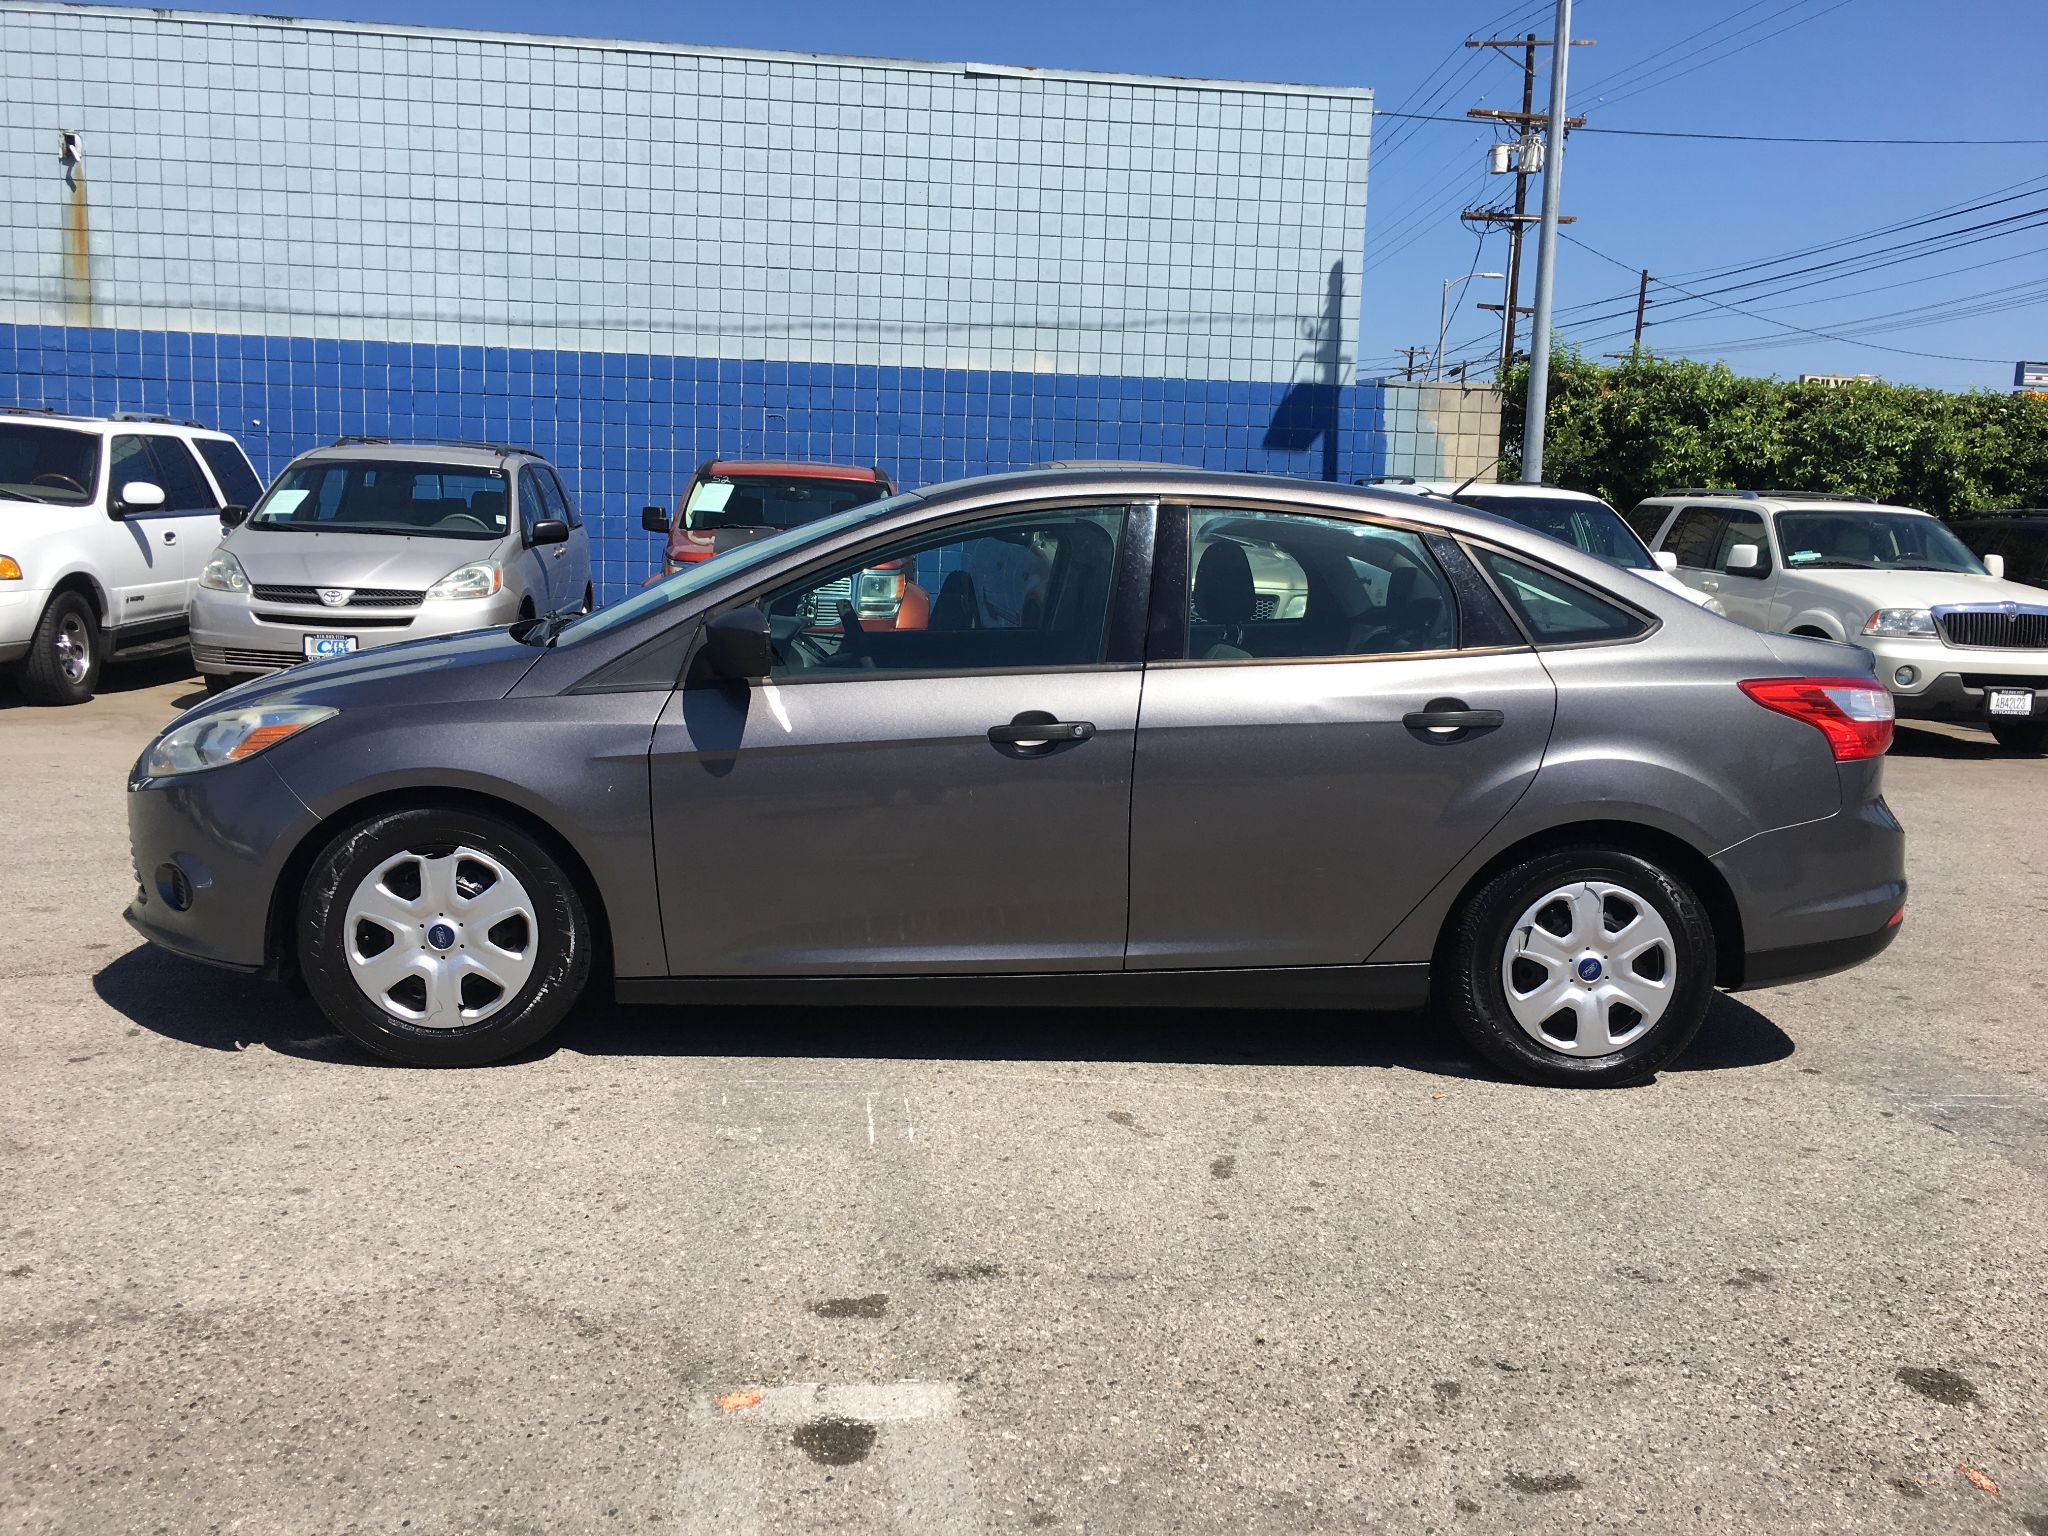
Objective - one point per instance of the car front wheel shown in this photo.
(2025, 736)
(1582, 967)
(63, 662)
(442, 937)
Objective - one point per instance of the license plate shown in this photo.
(320, 647)
(2012, 701)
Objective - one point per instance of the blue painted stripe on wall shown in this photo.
(627, 429)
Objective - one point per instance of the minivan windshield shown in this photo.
(420, 500)
(1872, 541)
(772, 501)
(1591, 527)
(695, 578)
(60, 465)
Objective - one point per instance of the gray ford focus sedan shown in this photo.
(1154, 737)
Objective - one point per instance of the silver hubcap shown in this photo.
(73, 647)
(441, 940)
(1589, 968)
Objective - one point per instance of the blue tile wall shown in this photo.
(627, 429)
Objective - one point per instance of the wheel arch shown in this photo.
(1817, 622)
(281, 955)
(1660, 847)
(87, 586)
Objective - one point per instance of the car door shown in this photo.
(535, 563)
(917, 788)
(1747, 593)
(572, 560)
(1694, 539)
(148, 546)
(1306, 772)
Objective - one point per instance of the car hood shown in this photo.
(1917, 589)
(439, 670)
(297, 557)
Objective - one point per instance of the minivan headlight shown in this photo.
(480, 578)
(224, 573)
(227, 737)
(1899, 621)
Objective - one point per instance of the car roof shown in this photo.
(468, 455)
(34, 415)
(1778, 501)
(867, 474)
(1506, 490)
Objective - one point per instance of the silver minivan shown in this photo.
(371, 541)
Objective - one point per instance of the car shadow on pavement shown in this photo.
(124, 677)
(219, 1010)
(1913, 741)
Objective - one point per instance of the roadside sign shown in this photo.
(2030, 376)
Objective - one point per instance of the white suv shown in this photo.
(1953, 639)
(105, 525)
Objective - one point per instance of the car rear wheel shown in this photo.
(442, 937)
(2025, 736)
(1583, 967)
(63, 664)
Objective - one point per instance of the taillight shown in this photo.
(1854, 713)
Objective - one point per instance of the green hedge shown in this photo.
(1650, 424)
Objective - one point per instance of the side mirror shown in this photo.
(549, 530)
(654, 519)
(1743, 557)
(1666, 560)
(232, 517)
(736, 646)
(141, 496)
(1995, 564)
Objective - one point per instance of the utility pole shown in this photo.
(1642, 303)
(1411, 353)
(1546, 254)
(1522, 159)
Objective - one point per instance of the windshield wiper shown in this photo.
(542, 631)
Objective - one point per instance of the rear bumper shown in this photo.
(1803, 962)
(1820, 896)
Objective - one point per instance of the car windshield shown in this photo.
(420, 500)
(1872, 541)
(694, 578)
(1592, 527)
(772, 501)
(48, 464)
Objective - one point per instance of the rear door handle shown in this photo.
(1036, 729)
(1449, 718)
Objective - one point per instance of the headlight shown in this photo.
(484, 578)
(1899, 621)
(227, 737)
(224, 573)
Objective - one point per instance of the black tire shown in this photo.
(52, 672)
(218, 682)
(560, 936)
(589, 598)
(1472, 961)
(2027, 737)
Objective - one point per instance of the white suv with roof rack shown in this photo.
(105, 524)
(1952, 639)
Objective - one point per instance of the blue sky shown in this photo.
(1686, 210)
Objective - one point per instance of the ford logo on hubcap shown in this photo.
(1589, 969)
(441, 936)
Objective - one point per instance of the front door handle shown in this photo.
(170, 536)
(1450, 720)
(1035, 728)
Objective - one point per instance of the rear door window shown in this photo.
(1273, 585)
(1554, 610)
(1695, 537)
(231, 469)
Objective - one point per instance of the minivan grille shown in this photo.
(364, 597)
(1997, 628)
(243, 659)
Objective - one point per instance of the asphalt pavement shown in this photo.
(986, 1271)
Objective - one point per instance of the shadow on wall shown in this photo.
(1308, 412)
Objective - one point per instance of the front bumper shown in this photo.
(1953, 682)
(235, 635)
(208, 849)
(19, 610)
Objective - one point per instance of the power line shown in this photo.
(1632, 71)
(1740, 138)
(1680, 73)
